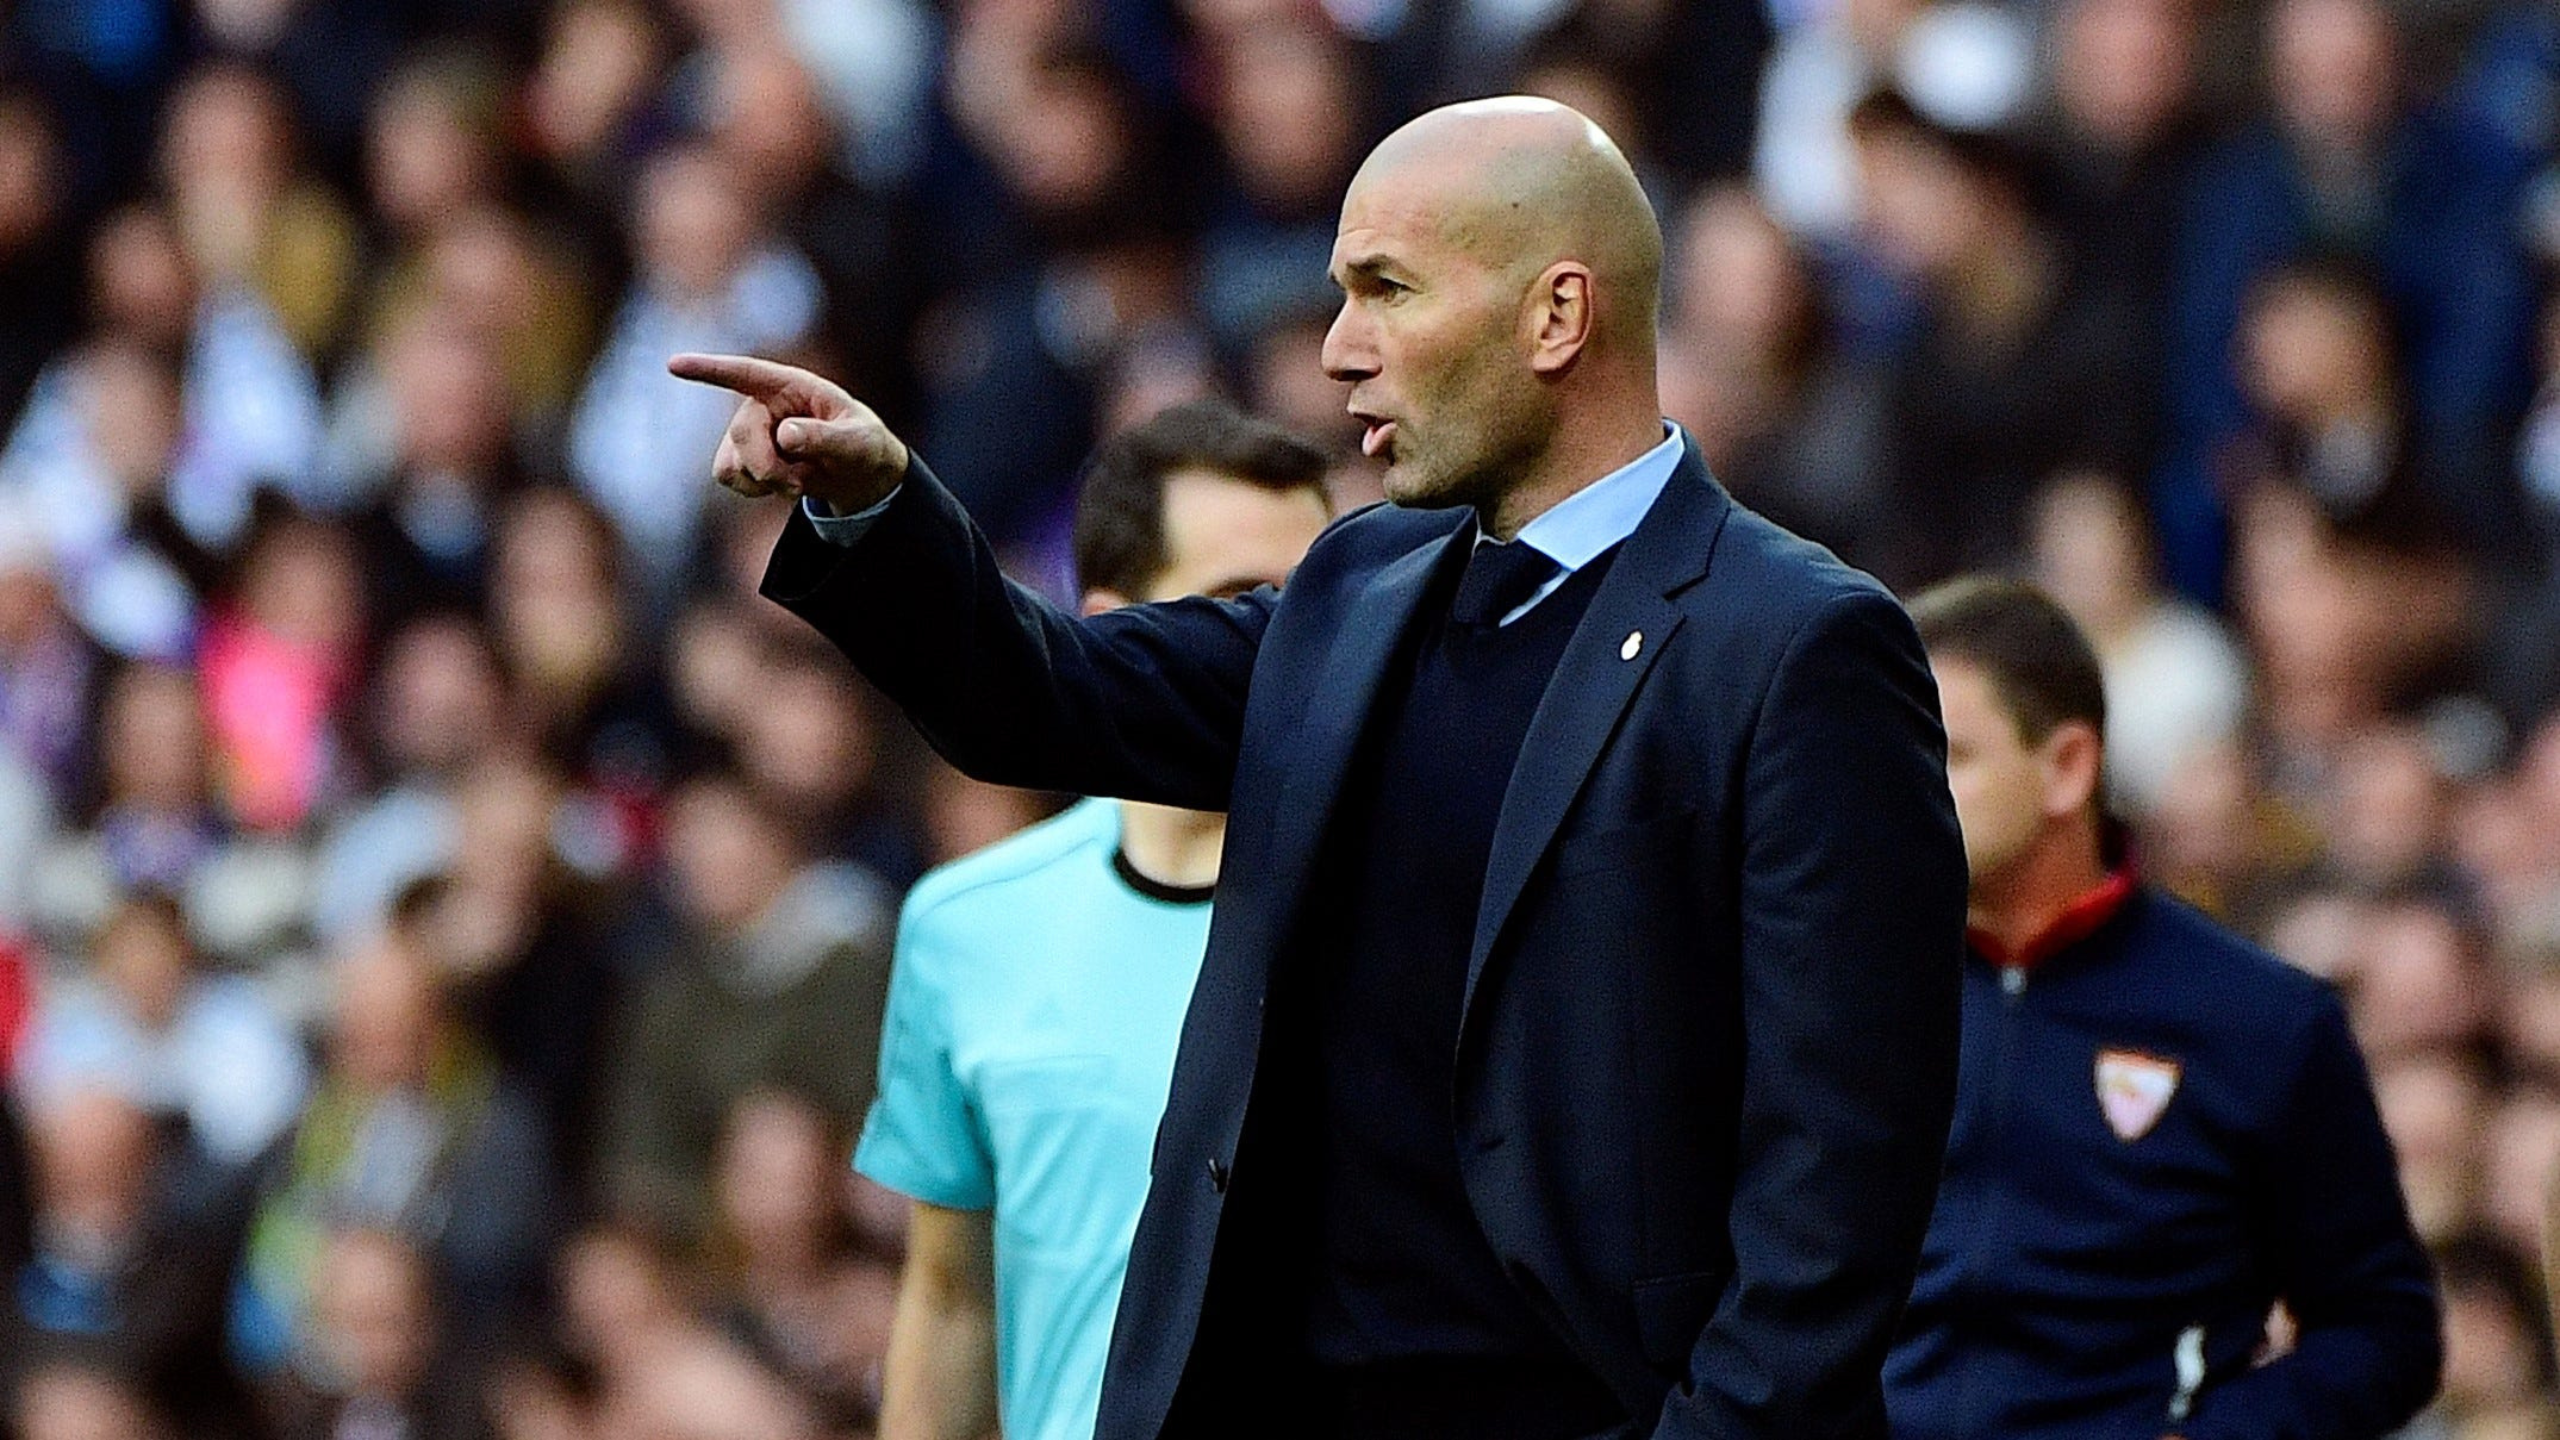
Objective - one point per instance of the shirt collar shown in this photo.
(1577, 528)
(2082, 918)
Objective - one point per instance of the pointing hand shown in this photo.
(798, 432)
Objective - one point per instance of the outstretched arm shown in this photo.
(1143, 703)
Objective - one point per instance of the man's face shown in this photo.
(1224, 536)
(1429, 337)
(2000, 781)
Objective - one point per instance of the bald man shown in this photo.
(1576, 1041)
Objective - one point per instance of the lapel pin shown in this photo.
(1635, 642)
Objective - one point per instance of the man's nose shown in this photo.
(1347, 353)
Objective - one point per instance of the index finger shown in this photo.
(765, 380)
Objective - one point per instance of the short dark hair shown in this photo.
(1120, 542)
(2040, 666)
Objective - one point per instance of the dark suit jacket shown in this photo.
(1707, 1053)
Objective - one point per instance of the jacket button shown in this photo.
(1218, 1176)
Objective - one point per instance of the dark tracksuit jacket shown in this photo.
(2160, 1131)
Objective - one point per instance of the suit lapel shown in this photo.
(1627, 627)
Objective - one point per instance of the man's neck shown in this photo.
(2020, 904)
(1573, 463)
(1174, 848)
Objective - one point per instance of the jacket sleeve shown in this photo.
(1143, 703)
(1852, 897)
(2328, 1216)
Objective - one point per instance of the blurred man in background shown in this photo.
(2105, 1260)
(1040, 985)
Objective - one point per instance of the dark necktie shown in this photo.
(1499, 580)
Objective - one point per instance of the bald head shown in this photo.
(1500, 269)
(1522, 183)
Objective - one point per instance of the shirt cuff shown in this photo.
(838, 529)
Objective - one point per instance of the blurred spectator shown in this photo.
(158, 825)
(132, 1254)
(2348, 163)
(2123, 141)
(436, 705)
(2018, 368)
(47, 673)
(561, 616)
(1291, 120)
(2175, 682)
(203, 1052)
(277, 660)
(777, 979)
(516, 936)
(92, 464)
(414, 1131)
(801, 1295)
(2498, 1359)
(73, 1396)
(662, 1371)
(1793, 427)
(708, 277)
(430, 525)
(371, 1365)
(39, 256)
(1967, 66)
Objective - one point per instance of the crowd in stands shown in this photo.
(446, 913)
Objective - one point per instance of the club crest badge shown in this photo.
(2133, 1090)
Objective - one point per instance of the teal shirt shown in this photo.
(1034, 1006)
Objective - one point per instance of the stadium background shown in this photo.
(421, 856)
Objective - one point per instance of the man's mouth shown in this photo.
(1375, 439)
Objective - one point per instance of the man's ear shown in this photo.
(2073, 765)
(1101, 598)
(1560, 316)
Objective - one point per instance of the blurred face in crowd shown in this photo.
(2312, 351)
(729, 856)
(428, 154)
(1741, 284)
(94, 1153)
(1928, 212)
(1284, 109)
(388, 1019)
(373, 1320)
(140, 282)
(777, 1178)
(2433, 1108)
(30, 173)
(596, 66)
(143, 954)
(553, 595)
(695, 225)
(2387, 807)
(2009, 790)
(71, 1402)
(450, 400)
(224, 139)
(155, 742)
(301, 584)
(2333, 70)
(805, 738)
(129, 396)
(439, 698)
(2089, 551)
(2125, 68)
(770, 120)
